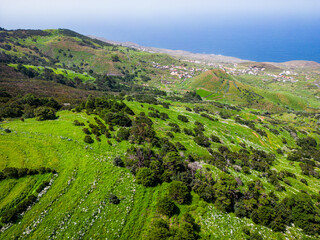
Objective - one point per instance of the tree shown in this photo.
(158, 230)
(88, 139)
(202, 141)
(146, 177)
(183, 118)
(123, 133)
(114, 199)
(45, 113)
(166, 207)
(115, 58)
(117, 161)
(179, 192)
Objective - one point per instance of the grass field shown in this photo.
(76, 206)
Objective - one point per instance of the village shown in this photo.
(284, 76)
(182, 72)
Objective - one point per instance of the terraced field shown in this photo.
(76, 203)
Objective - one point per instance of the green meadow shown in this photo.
(76, 205)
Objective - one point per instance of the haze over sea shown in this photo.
(258, 30)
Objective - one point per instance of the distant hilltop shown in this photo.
(208, 58)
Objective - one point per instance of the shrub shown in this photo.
(146, 177)
(42, 186)
(188, 131)
(88, 139)
(307, 143)
(158, 229)
(107, 134)
(117, 161)
(7, 130)
(77, 123)
(180, 147)
(175, 127)
(202, 141)
(166, 207)
(170, 134)
(95, 130)
(304, 181)
(10, 172)
(183, 118)
(114, 199)
(45, 113)
(179, 192)
(164, 116)
(246, 170)
(215, 139)
(123, 133)
(9, 216)
(118, 118)
(86, 131)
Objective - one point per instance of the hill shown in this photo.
(108, 142)
(220, 86)
(76, 202)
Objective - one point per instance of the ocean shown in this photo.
(267, 42)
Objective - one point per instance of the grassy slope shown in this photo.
(276, 96)
(77, 204)
(73, 51)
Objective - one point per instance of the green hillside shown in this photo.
(103, 142)
(77, 201)
(247, 91)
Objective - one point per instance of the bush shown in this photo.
(180, 147)
(202, 141)
(114, 199)
(42, 186)
(45, 113)
(166, 207)
(158, 229)
(10, 172)
(117, 161)
(183, 118)
(146, 177)
(304, 181)
(246, 170)
(179, 192)
(164, 116)
(118, 118)
(170, 134)
(188, 131)
(86, 131)
(175, 127)
(123, 133)
(215, 139)
(88, 139)
(7, 130)
(77, 123)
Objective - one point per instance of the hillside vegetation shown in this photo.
(87, 155)
(249, 92)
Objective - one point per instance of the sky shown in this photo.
(210, 26)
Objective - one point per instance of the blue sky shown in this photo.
(192, 25)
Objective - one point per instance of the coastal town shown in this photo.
(184, 72)
(284, 76)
